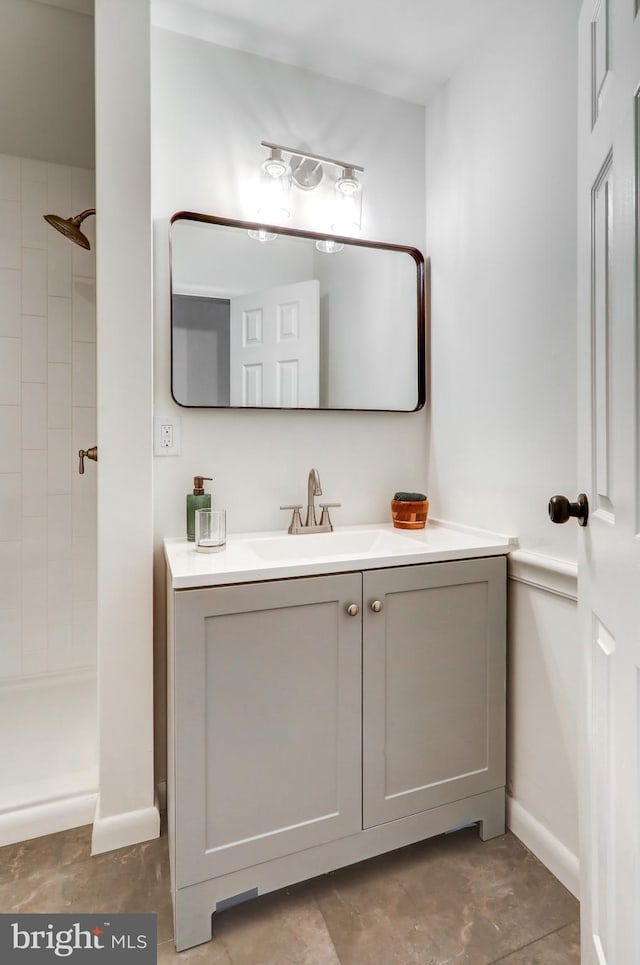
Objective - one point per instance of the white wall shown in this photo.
(46, 83)
(501, 233)
(126, 811)
(211, 107)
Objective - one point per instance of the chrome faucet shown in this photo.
(310, 525)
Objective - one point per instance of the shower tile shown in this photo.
(34, 348)
(85, 569)
(83, 189)
(9, 178)
(59, 266)
(10, 573)
(10, 298)
(59, 330)
(10, 505)
(85, 634)
(59, 396)
(59, 190)
(10, 235)
(34, 415)
(34, 281)
(10, 662)
(59, 649)
(59, 461)
(10, 367)
(34, 662)
(84, 309)
(83, 262)
(58, 527)
(83, 196)
(84, 374)
(60, 587)
(34, 170)
(34, 620)
(34, 206)
(34, 584)
(34, 482)
(10, 450)
(84, 500)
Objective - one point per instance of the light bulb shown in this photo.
(275, 165)
(275, 198)
(328, 246)
(347, 216)
(261, 235)
(348, 184)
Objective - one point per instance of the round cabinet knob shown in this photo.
(376, 606)
(353, 610)
(561, 510)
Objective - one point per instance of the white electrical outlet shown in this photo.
(166, 435)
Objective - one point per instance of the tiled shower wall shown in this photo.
(47, 413)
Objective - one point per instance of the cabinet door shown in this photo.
(433, 686)
(267, 721)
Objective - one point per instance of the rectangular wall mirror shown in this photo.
(278, 318)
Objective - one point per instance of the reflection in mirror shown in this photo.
(288, 319)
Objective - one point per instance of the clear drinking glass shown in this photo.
(211, 530)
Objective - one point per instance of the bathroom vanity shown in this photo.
(330, 698)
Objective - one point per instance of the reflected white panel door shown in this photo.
(609, 463)
(274, 346)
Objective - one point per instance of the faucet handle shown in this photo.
(325, 519)
(295, 525)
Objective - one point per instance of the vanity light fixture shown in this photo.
(286, 166)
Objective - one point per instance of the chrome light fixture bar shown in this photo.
(320, 159)
(287, 166)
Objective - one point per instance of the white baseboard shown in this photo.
(122, 830)
(547, 848)
(47, 818)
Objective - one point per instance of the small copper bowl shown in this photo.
(407, 515)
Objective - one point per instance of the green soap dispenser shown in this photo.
(198, 499)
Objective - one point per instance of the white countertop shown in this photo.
(253, 557)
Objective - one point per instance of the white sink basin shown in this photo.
(327, 545)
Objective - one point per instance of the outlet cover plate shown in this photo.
(166, 435)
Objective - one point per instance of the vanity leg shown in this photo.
(492, 822)
(192, 918)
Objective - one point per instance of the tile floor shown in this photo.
(452, 899)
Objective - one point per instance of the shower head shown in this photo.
(70, 227)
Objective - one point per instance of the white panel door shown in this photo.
(274, 347)
(609, 463)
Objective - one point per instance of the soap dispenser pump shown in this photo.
(198, 499)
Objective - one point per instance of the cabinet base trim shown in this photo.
(547, 848)
(193, 905)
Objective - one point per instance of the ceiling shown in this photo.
(406, 48)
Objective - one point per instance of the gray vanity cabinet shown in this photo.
(267, 721)
(433, 664)
(317, 721)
